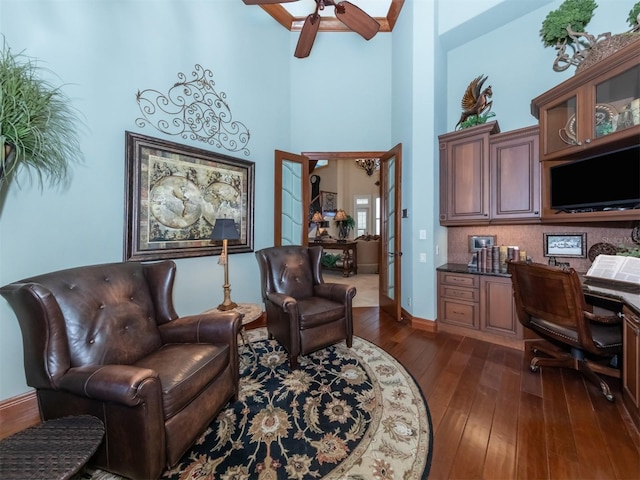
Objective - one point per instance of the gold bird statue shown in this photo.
(474, 101)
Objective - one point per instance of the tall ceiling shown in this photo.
(291, 15)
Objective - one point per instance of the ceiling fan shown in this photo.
(351, 15)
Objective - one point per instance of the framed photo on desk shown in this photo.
(565, 245)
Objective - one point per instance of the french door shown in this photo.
(389, 291)
(291, 210)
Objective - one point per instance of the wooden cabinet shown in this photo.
(489, 177)
(464, 175)
(478, 306)
(458, 299)
(630, 366)
(514, 179)
(595, 110)
(498, 312)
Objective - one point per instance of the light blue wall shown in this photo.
(401, 87)
(518, 65)
(340, 94)
(106, 51)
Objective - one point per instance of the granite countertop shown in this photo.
(630, 297)
(464, 268)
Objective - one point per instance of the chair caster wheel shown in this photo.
(534, 368)
(609, 397)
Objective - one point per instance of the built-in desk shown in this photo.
(478, 303)
(629, 297)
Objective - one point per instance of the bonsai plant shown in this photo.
(564, 29)
(634, 17)
(575, 14)
(37, 122)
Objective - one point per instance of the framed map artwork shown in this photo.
(175, 193)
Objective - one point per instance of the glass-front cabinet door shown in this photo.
(561, 125)
(597, 107)
(617, 103)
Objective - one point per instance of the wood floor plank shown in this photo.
(475, 436)
(590, 442)
(560, 440)
(544, 425)
(532, 448)
(445, 443)
(500, 460)
(620, 447)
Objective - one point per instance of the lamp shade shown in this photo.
(224, 229)
(317, 218)
(341, 216)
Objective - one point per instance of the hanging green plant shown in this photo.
(38, 125)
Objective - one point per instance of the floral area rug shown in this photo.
(345, 413)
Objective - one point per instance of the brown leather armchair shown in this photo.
(550, 301)
(105, 340)
(304, 313)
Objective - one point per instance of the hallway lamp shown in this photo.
(225, 229)
(318, 219)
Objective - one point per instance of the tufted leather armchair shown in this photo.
(105, 340)
(304, 313)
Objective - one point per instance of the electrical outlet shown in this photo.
(409, 301)
(423, 257)
(437, 249)
(423, 235)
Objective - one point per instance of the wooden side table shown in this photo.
(250, 313)
(54, 449)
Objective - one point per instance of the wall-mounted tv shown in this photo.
(610, 180)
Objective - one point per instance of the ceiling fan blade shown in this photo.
(307, 36)
(357, 19)
(266, 2)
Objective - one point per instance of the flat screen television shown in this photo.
(606, 181)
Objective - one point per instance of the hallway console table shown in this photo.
(348, 262)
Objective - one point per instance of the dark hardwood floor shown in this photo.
(495, 419)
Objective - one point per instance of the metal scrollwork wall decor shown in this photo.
(194, 110)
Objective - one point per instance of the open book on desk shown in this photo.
(616, 270)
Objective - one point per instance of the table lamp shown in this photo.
(317, 219)
(340, 219)
(225, 229)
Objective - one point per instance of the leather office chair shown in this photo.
(105, 340)
(304, 313)
(550, 301)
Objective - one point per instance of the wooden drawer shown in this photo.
(467, 294)
(464, 314)
(461, 280)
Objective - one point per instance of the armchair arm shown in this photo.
(338, 292)
(285, 302)
(123, 384)
(207, 327)
(604, 319)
